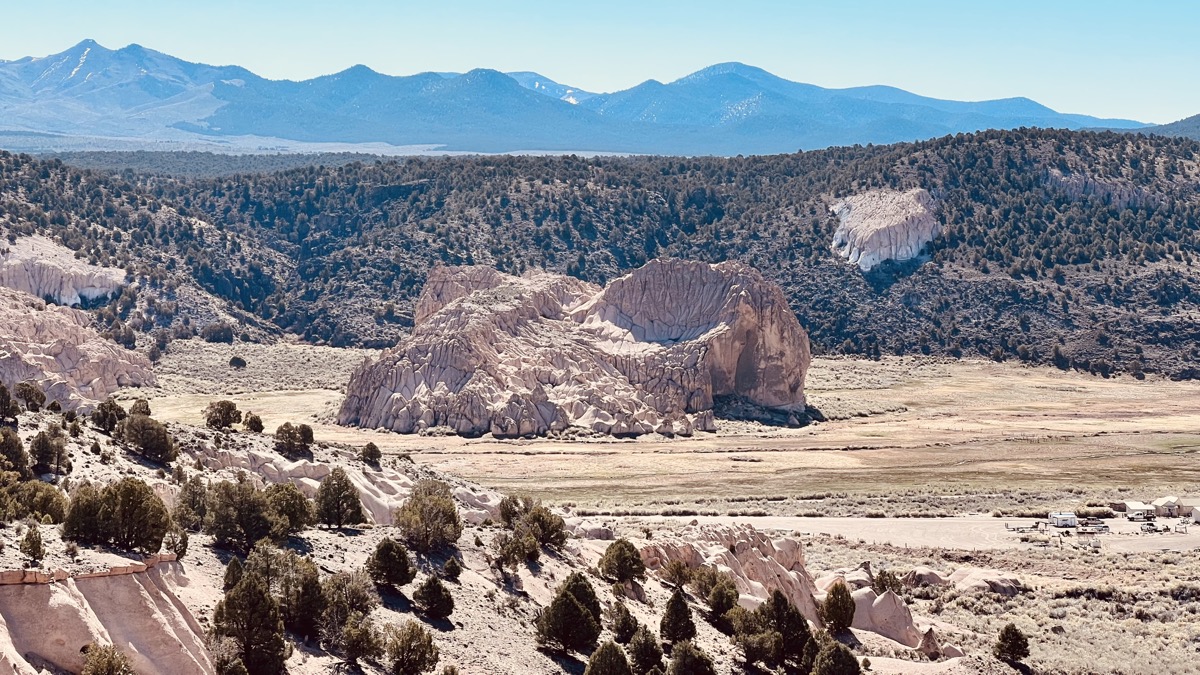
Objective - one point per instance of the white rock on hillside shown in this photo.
(56, 347)
(517, 356)
(883, 225)
(45, 269)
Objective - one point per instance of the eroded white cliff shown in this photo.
(884, 225)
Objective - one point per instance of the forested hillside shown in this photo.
(1057, 247)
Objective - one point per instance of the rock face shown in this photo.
(44, 626)
(55, 347)
(517, 356)
(883, 225)
(44, 269)
(757, 563)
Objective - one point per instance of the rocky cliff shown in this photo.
(44, 269)
(517, 356)
(883, 225)
(55, 347)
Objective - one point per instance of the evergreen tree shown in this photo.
(566, 624)
(428, 518)
(409, 649)
(140, 407)
(108, 415)
(82, 523)
(578, 585)
(608, 659)
(835, 659)
(133, 517)
(253, 423)
(233, 573)
(677, 625)
(338, 503)
(390, 564)
(688, 659)
(344, 594)
(622, 562)
(452, 569)
(31, 545)
(250, 617)
(1011, 645)
(238, 515)
(645, 653)
(371, 454)
(287, 501)
(624, 625)
(12, 454)
(434, 598)
(222, 415)
(360, 638)
(838, 609)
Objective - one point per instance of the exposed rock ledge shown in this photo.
(56, 347)
(518, 356)
(44, 269)
(884, 225)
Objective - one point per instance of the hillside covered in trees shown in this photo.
(1073, 248)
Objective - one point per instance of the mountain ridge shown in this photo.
(148, 97)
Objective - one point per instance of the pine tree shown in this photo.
(622, 562)
(31, 545)
(688, 659)
(608, 659)
(434, 599)
(834, 659)
(12, 454)
(428, 518)
(452, 569)
(250, 617)
(838, 609)
(409, 649)
(677, 625)
(645, 653)
(233, 574)
(390, 564)
(566, 624)
(338, 503)
(134, 517)
(1012, 645)
(624, 625)
(82, 523)
(360, 638)
(578, 585)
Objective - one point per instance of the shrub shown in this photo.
(566, 624)
(622, 562)
(645, 654)
(49, 453)
(148, 437)
(409, 649)
(676, 624)
(688, 659)
(608, 659)
(132, 516)
(176, 541)
(289, 502)
(237, 362)
(838, 609)
(31, 545)
(429, 519)
(345, 593)
(289, 442)
(677, 573)
(217, 332)
(577, 585)
(886, 580)
(434, 598)
(106, 660)
(140, 407)
(8, 407)
(338, 503)
(238, 515)
(513, 508)
(544, 527)
(452, 569)
(233, 574)
(360, 638)
(191, 503)
(82, 521)
(722, 598)
(12, 454)
(249, 616)
(221, 415)
(31, 394)
(107, 415)
(1011, 645)
(36, 499)
(775, 633)
(390, 564)
(835, 659)
(371, 454)
(253, 423)
(624, 625)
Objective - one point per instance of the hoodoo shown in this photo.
(530, 355)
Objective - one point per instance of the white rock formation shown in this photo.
(883, 225)
(56, 347)
(46, 625)
(757, 563)
(493, 353)
(44, 269)
(885, 614)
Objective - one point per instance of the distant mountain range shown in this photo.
(133, 98)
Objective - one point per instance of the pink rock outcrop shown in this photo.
(883, 225)
(517, 356)
(57, 348)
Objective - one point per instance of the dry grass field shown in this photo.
(921, 429)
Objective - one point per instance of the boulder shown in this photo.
(922, 576)
(57, 348)
(883, 225)
(980, 579)
(537, 354)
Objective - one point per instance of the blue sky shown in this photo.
(1114, 59)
